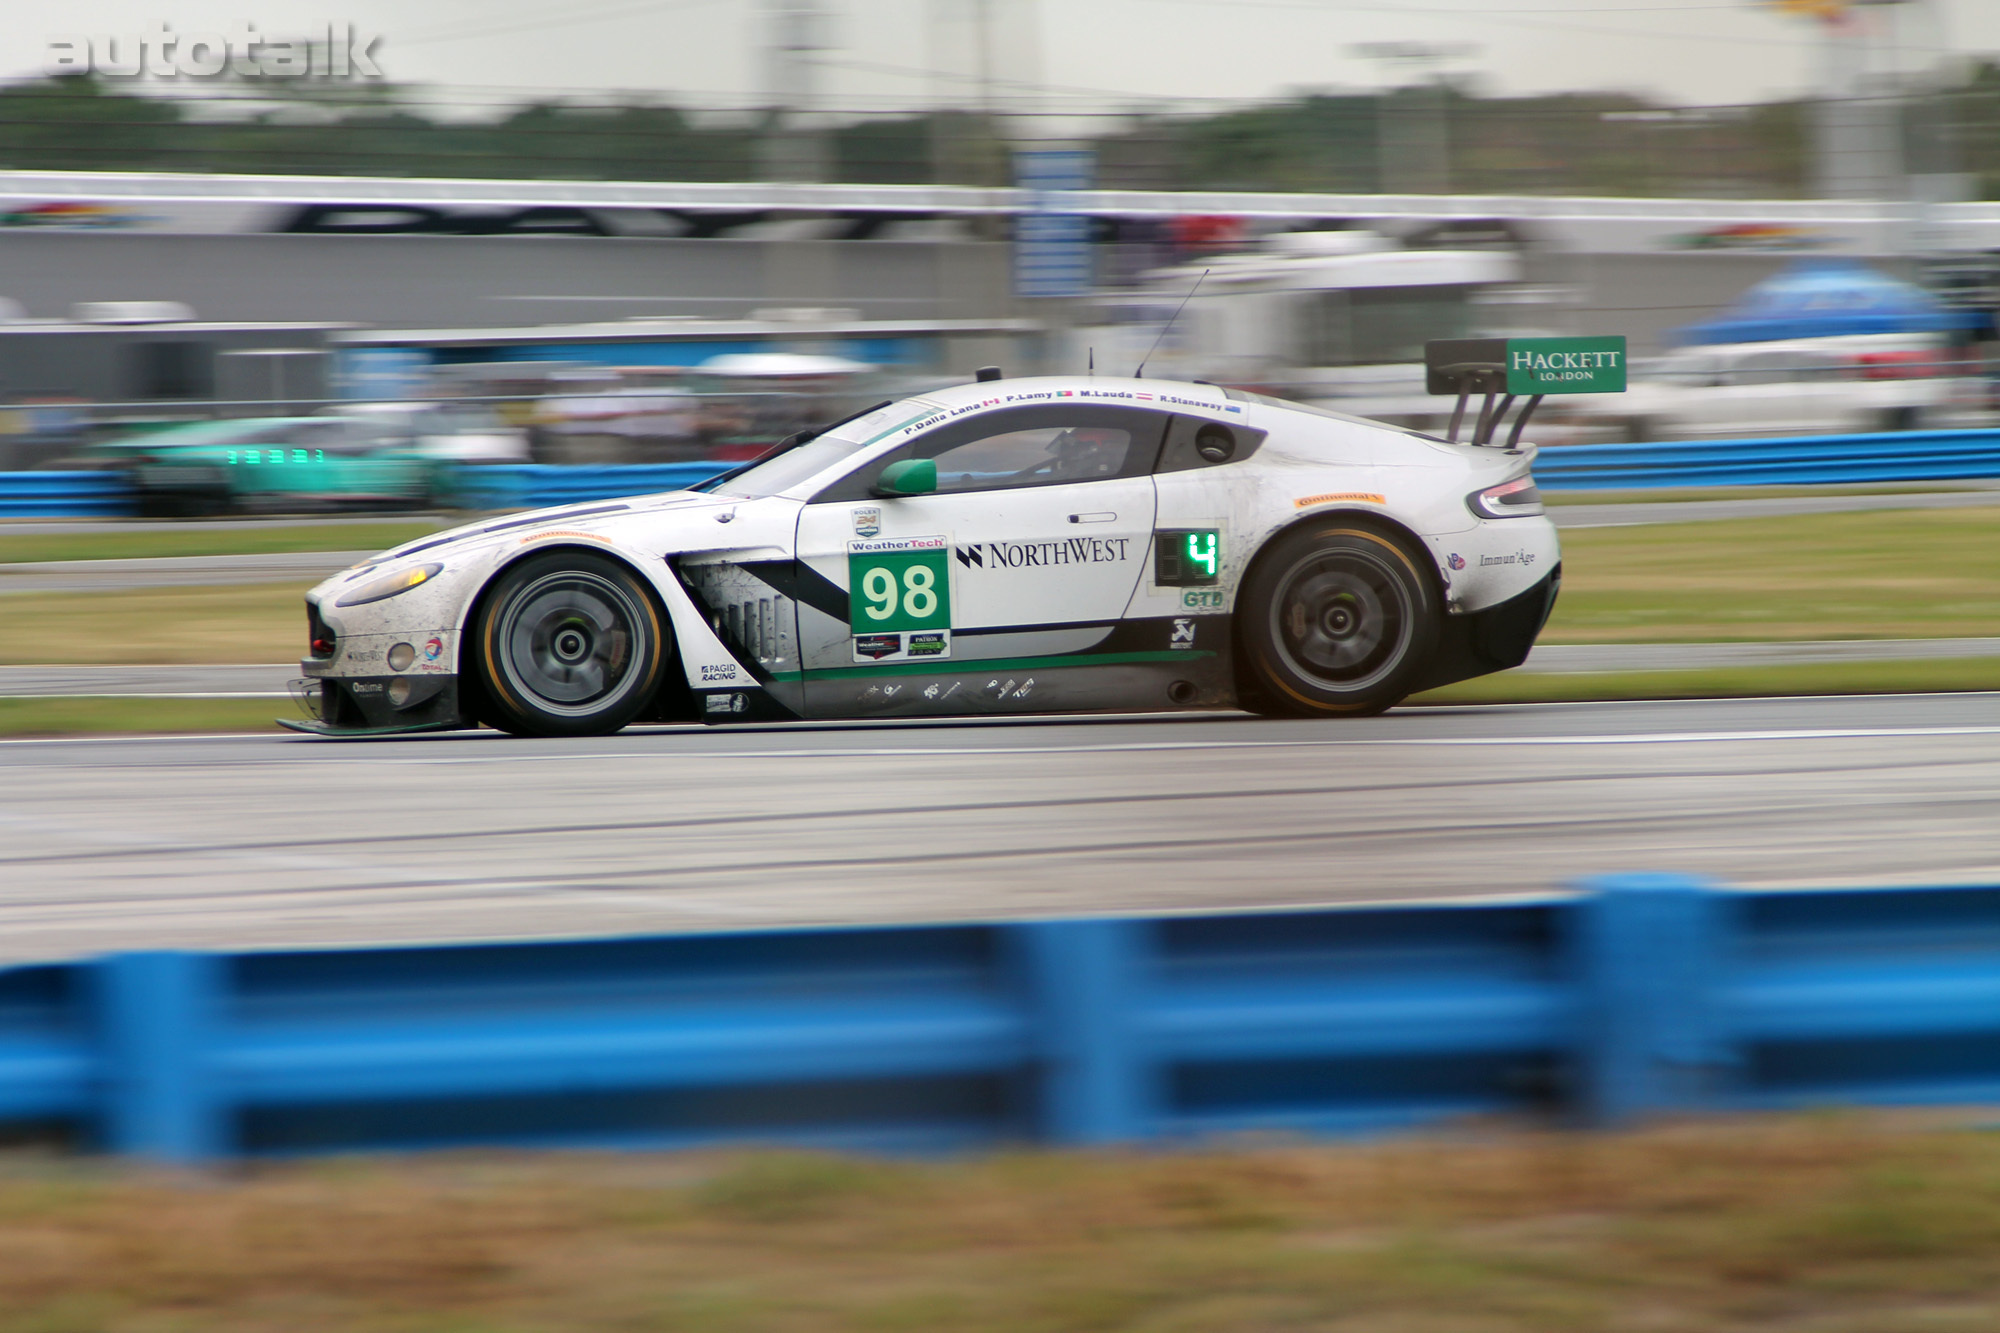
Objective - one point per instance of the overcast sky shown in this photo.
(890, 53)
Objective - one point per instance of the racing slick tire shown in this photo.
(1336, 619)
(568, 644)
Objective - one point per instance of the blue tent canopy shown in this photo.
(1826, 298)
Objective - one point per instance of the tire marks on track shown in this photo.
(289, 846)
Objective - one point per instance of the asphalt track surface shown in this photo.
(279, 840)
(273, 680)
(304, 568)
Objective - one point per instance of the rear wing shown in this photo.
(1518, 367)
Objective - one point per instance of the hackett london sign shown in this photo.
(1524, 367)
(1565, 365)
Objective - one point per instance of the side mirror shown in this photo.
(907, 476)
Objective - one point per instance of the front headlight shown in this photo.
(1510, 499)
(389, 585)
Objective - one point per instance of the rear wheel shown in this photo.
(1335, 619)
(568, 644)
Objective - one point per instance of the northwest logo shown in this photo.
(1038, 555)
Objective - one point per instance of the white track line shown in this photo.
(893, 752)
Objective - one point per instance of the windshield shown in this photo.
(213, 433)
(782, 471)
(1374, 326)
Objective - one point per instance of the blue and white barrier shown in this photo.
(1933, 455)
(1643, 995)
(1924, 455)
(66, 495)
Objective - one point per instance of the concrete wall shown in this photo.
(464, 281)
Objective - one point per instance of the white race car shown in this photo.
(1008, 546)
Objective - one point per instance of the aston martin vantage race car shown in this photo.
(1008, 546)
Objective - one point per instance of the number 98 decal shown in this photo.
(899, 584)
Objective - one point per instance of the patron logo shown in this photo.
(1040, 555)
(433, 648)
(718, 671)
(903, 646)
(1517, 558)
(867, 522)
(1183, 634)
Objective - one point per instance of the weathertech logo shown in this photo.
(1036, 555)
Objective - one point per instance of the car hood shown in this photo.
(636, 519)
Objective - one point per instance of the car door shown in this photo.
(1023, 559)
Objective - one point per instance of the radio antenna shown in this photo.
(1140, 373)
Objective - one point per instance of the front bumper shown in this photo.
(376, 705)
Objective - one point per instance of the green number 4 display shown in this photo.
(899, 584)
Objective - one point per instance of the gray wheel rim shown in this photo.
(1342, 620)
(570, 641)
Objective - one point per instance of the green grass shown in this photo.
(109, 716)
(1949, 676)
(245, 624)
(1828, 1224)
(140, 542)
(1886, 574)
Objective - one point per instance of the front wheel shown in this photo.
(1335, 620)
(568, 644)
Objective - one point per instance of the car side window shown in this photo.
(1041, 445)
(1194, 442)
(1037, 454)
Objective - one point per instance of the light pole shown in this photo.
(794, 37)
(1413, 156)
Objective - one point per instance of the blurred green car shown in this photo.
(270, 464)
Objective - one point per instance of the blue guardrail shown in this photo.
(65, 495)
(1645, 994)
(1924, 455)
(1934, 455)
